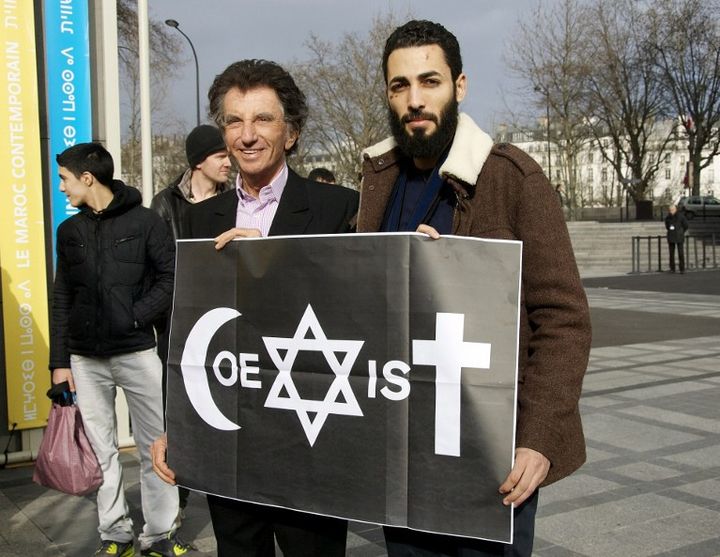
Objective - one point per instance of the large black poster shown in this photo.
(366, 376)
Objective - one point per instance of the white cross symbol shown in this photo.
(449, 354)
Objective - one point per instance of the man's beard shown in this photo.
(420, 145)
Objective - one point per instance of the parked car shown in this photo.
(699, 205)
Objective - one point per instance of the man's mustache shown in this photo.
(419, 115)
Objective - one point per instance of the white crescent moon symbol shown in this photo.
(193, 367)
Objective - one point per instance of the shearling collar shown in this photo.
(469, 151)
(184, 186)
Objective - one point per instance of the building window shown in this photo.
(590, 178)
(604, 175)
(667, 173)
(591, 157)
(667, 158)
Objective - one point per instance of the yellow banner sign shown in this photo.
(22, 234)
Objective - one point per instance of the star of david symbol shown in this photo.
(347, 405)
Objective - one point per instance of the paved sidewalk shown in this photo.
(652, 420)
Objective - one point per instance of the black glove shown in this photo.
(60, 394)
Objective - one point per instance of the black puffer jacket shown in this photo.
(114, 278)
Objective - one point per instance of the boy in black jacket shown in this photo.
(114, 277)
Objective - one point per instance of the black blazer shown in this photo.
(305, 208)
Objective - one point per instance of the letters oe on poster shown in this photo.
(366, 376)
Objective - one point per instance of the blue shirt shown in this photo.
(419, 197)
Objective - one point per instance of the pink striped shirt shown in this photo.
(259, 213)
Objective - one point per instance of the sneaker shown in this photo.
(171, 546)
(116, 549)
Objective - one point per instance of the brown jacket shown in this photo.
(502, 193)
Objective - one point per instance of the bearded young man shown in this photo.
(441, 174)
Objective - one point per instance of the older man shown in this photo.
(261, 113)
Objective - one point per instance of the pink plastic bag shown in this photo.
(66, 460)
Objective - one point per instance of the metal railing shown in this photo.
(649, 252)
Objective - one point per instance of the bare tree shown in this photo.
(685, 35)
(548, 57)
(164, 56)
(169, 159)
(625, 97)
(346, 94)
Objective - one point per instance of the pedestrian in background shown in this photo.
(323, 175)
(206, 176)
(676, 224)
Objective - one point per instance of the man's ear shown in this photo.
(460, 87)
(87, 178)
(291, 138)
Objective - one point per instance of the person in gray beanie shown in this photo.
(206, 176)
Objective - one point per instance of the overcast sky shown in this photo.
(224, 31)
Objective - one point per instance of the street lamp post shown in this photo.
(176, 25)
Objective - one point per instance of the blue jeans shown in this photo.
(402, 542)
